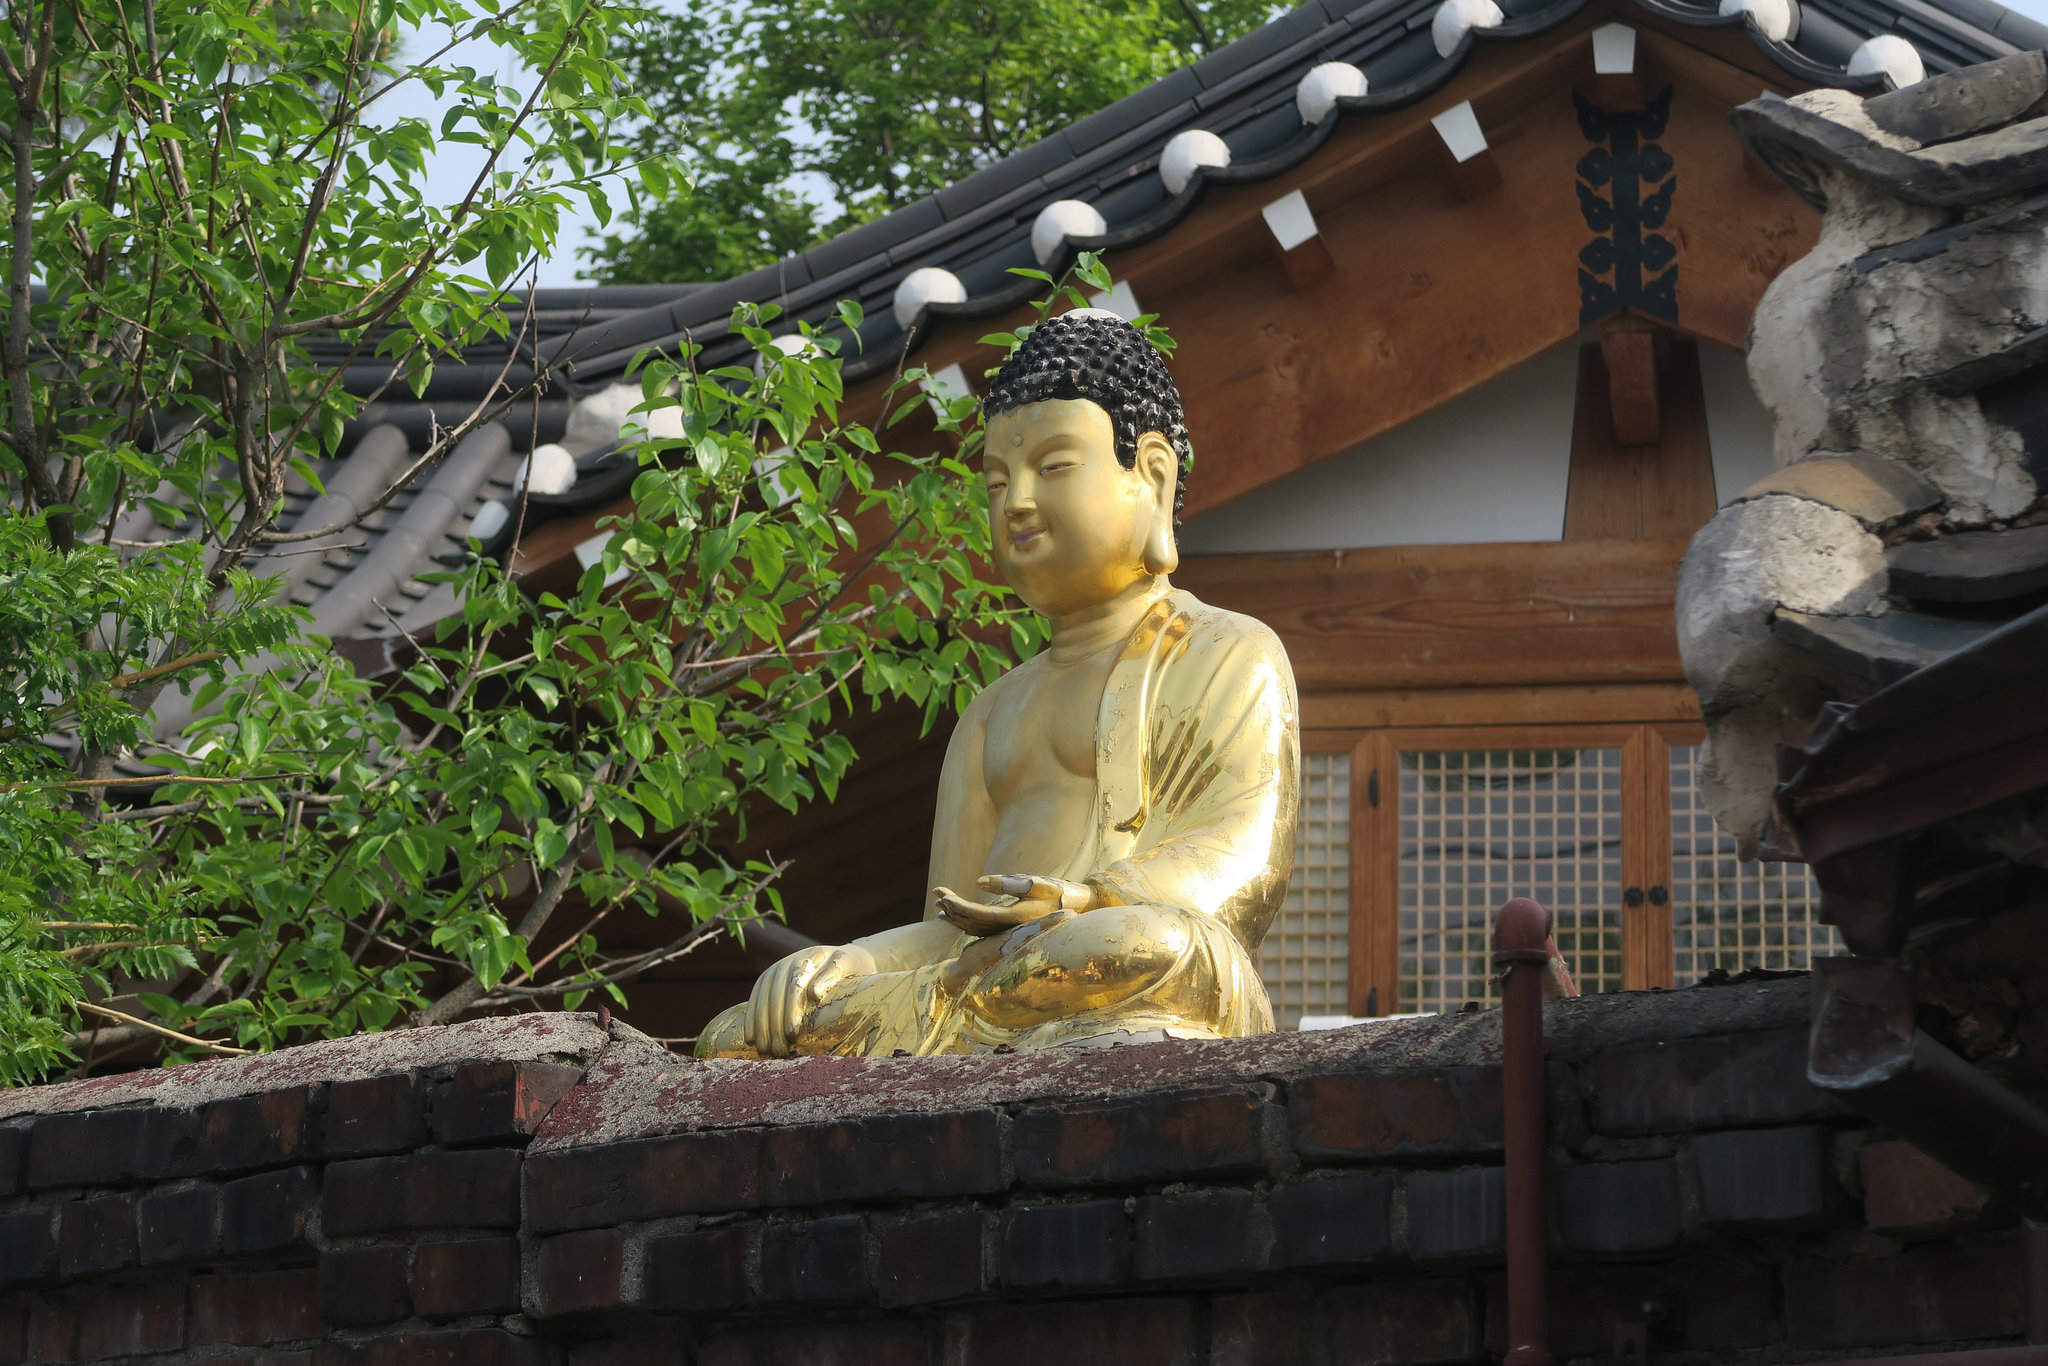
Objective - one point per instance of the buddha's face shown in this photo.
(1069, 523)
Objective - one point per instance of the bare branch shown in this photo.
(127, 1019)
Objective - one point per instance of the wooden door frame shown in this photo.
(1375, 834)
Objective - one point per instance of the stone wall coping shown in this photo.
(637, 1089)
(634, 1088)
(563, 1037)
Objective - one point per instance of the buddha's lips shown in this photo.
(1026, 536)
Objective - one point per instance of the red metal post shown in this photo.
(1521, 936)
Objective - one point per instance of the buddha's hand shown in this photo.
(1034, 899)
(790, 989)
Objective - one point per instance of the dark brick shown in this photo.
(95, 1236)
(469, 1276)
(1767, 1176)
(256, 1309)
(1339, 1220)
(1908, 1194)
(13, 1159)
(422, 1190)
(1712, 1083)
(28, 1247)
(1409, 1322)
(1458, 1213)
(256, 1131)
(928, 1258)
(252, 1309)
(13, 1332)
(1140, 1138)
(375, 1115)
(1116, 1332)
(490, 1101)
(816, 1260)
(178, 1225)
(700, 1272)
(889, 1157)
(116, 1322)
(452, 1347)
(1936, 1294)
(701, 1173)
(1619, 1206)
(832, 1344)
(1085, 1246)
(1453, 1112)
(360, 1287)
(580, 1271)
(266, 1213)
(107, 1147)
(1200, 1235)
(1702, 1305)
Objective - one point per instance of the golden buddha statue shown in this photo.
(1124, 801)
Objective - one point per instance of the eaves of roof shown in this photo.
(980, 228)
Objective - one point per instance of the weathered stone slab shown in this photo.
(1878, 650)
(1871, 490)
(1958, 103)
(1972, 566)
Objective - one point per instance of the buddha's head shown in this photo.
(1085, 459)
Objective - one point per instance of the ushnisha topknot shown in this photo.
(1091, 353)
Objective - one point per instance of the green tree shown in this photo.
(200, 191)
(808, 117)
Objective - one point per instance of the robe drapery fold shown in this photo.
(1197, 778)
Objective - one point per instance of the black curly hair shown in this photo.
(1093, 354)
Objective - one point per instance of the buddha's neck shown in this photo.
(1078, 635)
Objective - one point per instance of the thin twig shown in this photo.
(150, 813)
(124, 1018)
(162, 780)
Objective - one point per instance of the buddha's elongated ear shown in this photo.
(1159, 466)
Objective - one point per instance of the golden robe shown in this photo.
(1198, 768)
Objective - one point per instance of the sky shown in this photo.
(456, 165)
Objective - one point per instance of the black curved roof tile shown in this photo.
(1244, 93)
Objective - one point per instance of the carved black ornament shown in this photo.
(1628, 250)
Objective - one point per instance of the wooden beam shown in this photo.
(1459, 615)
(1629, 347)
(1354, 711)
(1308, 264)
(1678, 485)
(1659, 491)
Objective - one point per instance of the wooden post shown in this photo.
(1521, 938)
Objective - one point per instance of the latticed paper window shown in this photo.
(1477, 827)
(1727, 913)
(1306, 957)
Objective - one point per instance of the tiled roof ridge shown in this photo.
(978, 225)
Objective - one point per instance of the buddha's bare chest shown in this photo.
(1043, 733)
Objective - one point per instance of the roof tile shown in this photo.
(1148, 105)
(1227, 63)
(876, 238)
(991, 183)
(1244, 93)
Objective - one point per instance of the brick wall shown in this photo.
(538, 1191)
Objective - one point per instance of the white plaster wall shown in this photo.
(1491, 465)
(1737, 424)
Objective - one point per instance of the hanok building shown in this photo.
(1461, 291)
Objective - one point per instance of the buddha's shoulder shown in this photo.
(1205, 624)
